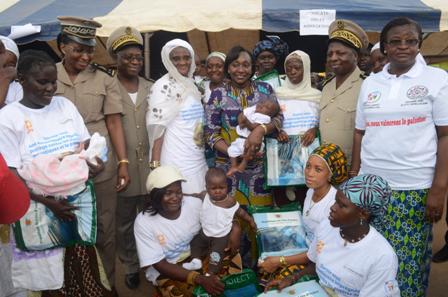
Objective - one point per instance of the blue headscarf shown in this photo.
(273, 44)
(369, 192)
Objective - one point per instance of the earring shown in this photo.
(361, 222)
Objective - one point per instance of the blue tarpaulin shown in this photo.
(371, 15)
(212, 16)
(45, 13)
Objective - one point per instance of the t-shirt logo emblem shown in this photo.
(161, 239)
(28, 126)
(417, 92)
(391, 286)
(373, 97)
(320, 246)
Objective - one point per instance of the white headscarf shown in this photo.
(168, 93)
(10, 45)
(375, 47)
(302, 90)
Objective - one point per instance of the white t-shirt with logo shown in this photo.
(399, 115)
(183, 145)
(158, 238)
(26, 133)
(315, 213)
(366, 268)
(299, 115)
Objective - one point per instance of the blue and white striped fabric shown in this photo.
(145, 15)
(372, 15)
(212, 16)
(45, 13)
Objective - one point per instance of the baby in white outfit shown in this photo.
(259, 114)
(218, 211)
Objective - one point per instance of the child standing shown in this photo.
(251, 117)
(218, 212)
(326, 168)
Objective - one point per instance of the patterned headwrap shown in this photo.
(273, 44)
(219, 55)
(335, 159)
(370, 192)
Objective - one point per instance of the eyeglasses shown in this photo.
(132, 58)
(80, 51)
(407, 42)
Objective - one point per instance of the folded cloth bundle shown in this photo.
(51, 176)
(61, 176)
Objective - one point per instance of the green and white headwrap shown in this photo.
(216, 55)
(369, 192)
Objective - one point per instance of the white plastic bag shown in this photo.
(44, 269)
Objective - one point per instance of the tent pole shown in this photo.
(146, 53)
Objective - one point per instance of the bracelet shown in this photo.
(154, 164)
(295, 277)
(283, 261)
(264, 128)
(191, 277)
(123, 161)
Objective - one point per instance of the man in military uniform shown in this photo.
(97, 96)
(340, 92)
(125, 46)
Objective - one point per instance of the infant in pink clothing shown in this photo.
(61, 176)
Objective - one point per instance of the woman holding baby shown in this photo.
(41, 124)
(222, 111)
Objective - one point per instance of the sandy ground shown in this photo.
(437, 281)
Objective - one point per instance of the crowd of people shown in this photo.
(183, 158)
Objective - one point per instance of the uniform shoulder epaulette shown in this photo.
(108, 71)
(326, 81)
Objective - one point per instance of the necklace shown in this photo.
(307, 212)
(346, 240)
(220, 201)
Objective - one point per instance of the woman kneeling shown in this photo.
(350, 257)
(163, 232)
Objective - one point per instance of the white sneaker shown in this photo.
(195, 264)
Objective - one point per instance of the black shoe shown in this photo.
(441, 256)
(132, 280)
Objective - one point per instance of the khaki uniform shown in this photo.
(337, 111)
(130, 200)
(137, 143)
(97, 94)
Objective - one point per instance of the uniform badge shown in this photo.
(340, 25)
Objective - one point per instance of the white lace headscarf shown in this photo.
(302, 90)
(169, 92)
